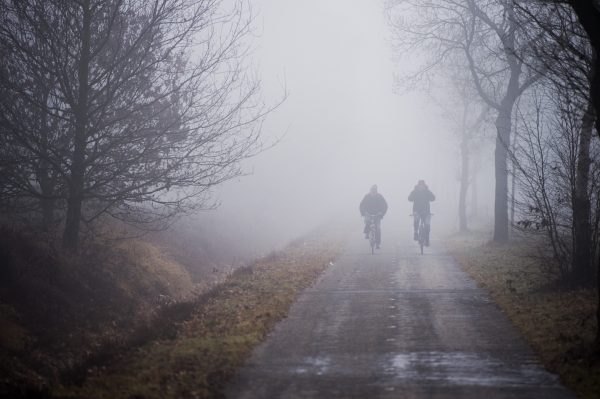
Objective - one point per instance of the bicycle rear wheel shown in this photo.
(372, 241)
(421, 237)
(373, 237)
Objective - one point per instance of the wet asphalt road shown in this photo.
(394, 325)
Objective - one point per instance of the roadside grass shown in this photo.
(59, 311)
(223, 328)
(558, 322)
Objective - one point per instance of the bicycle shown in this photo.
(422, 232)
(372, 231)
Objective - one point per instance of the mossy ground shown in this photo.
(224, 327)
(559, 323)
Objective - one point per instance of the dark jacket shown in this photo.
(373, 204)
(421, 199)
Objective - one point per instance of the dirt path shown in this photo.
(394, 325)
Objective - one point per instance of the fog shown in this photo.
(344, 126)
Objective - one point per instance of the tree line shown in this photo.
(125, 109)
(529, 69)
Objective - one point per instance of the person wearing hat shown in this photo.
(373, 204)
(421, 197)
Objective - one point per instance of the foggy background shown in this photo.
(344, 126)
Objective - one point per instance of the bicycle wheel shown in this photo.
(421, 237)
(372, 241)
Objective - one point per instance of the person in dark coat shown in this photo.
(373, 207)
(421, 197)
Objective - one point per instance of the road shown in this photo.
(394, 325)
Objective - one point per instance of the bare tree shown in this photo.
(551, 125)
(29, 182)
(485, 36)
(588, 14)
(563, 48)
(467, 116)
(471, 132)
(151, 101)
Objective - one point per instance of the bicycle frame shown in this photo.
(421, 234)
(422, 231)
(372, 231)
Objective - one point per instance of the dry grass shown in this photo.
(224, 327)
(153, 269)
(557, 322)
(58, 311)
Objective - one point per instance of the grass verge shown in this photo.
(59, 311)
(224, 327)
(558, 323)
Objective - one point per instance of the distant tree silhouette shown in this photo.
(468, 118)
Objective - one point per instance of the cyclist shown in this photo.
(421, 197)
(373, 204)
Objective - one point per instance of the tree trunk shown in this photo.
(474, 203)
(464, 184)
(503, 127)
(513, 181)
(582, 249)
(513, 184)
(77, 178)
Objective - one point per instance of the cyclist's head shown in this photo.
(421, 184)
(373, 189)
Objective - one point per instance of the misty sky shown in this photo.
(345, 126)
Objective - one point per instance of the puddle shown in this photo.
(432, 368)
(314, 365)
(465, 368)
